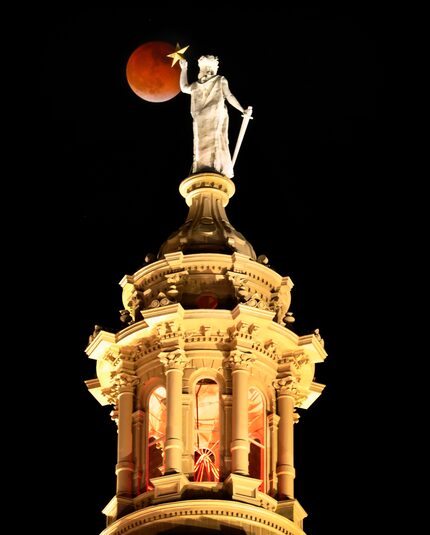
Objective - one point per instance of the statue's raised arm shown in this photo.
(183, 80)
(210, 116)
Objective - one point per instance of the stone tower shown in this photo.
(205, 379)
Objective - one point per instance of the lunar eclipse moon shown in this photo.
(150, 73)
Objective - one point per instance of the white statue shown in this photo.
(210, 116)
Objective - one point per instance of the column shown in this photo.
(285, 470)
(240, 364)
(273, 421)
(124, 384)
(174, 364)
(226, 436)
(138, 419)
(187, 435)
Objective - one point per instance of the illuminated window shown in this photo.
(156, 434)
(206, 431)
(256, 429)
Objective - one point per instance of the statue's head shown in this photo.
(208, 66)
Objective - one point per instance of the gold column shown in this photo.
(226, 435)
(273, 420)
(285, 469)
(187, 435)
(174, 364)
(124, 386)
(240, 364)
(138, 419)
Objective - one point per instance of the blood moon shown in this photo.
(150, 73)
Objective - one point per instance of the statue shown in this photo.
(210, 116)
(93, 336)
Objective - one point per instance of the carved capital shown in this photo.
(238, 360)
(121, 382)
(286, 385)
(173, 360)
(289, 386)
(124, 382)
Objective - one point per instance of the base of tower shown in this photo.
(203, 517)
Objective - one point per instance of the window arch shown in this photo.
(206, 430)
(256, 433)
(157, 418)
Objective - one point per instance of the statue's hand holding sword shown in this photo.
(247, 115)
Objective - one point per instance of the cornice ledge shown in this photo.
(166, 313)
(101, 343)
(247, 311)
(145, 270)
(313, 346)
(236, 512)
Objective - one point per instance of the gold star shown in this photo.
(177, 54)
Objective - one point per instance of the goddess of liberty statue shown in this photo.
(210, 117)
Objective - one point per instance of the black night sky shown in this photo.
(111, 164)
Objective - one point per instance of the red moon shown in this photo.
(150, 73)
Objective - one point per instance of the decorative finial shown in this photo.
(178, 54)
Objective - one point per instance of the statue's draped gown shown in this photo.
(210, 126)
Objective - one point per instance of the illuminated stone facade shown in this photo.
(205, 380)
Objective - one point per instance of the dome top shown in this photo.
(207, 228)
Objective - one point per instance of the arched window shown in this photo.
(256, 430)
(156, 434)
(206, 431)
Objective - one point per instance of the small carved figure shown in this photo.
(97, 329)
(125, 316)
(318, 337)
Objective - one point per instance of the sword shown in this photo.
(245, 121)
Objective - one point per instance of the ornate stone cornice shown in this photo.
(243, 330)
(173, 360)
(238, 360)
(233, 514)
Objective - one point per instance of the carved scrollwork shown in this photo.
(161, 301)
(256, 300)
